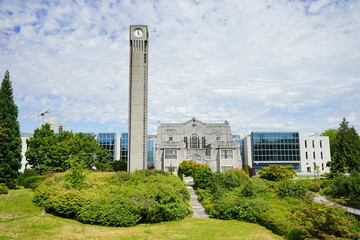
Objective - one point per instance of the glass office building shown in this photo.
(280, 148)
(124, 146)
(151, 152)
(108, 141)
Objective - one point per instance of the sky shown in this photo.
(261, 65)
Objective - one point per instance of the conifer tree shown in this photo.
(347, 154)
(10, 147)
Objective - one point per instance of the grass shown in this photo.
(21, 219)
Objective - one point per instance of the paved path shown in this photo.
(322, 199)
(198, 209)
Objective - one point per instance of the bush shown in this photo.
(29, 172)
(203, 178)
(188, 168)
(3, 188)
(33, 182)
(277, 172)
(315, 220)
(120, 165)
(244, 209)
(291, 188)
(121, 199)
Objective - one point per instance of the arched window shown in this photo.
(194, 141)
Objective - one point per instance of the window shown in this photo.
(170, 154)
(203, 142)
(320, 143)
(170, 139)
(313, 143)
(314, 155)
(305, 143)
(322, 156)
(322, 166)
(223, 168)
(226, 154)
(186, 142)
(309, 169)
(194, 141)
(217, 138)
(306, 155)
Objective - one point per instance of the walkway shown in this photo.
(198, 209)
(321, 199)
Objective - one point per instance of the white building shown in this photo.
(205, 143)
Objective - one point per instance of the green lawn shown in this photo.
(20, 219)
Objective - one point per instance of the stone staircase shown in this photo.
(198, 209)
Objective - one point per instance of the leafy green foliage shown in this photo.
(314, 220)
(33, 181)
(28, 172)
(277, 172)
(331, 133)
(188, 168)
(345, 186)
(10, 139)
(203, 177)
(48, 152)
(290, 188)
(121, 199)
(346, 156)
(275, 205)
(120, 165)
(3, 188)
(75, 175)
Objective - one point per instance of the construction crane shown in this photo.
(42, 114)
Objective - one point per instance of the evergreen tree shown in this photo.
(347, 152)
(10, 147)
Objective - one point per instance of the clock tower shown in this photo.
(138, 98)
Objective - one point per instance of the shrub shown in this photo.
(121, 199)
(244, 209)
(29, 172)
(203, 178)
(118, 211)
(291, 188)
(315, 220)
(119, 165)
(33, 181)
(188, 168)
(277, 172)
(3, 188)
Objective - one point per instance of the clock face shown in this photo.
(138, 32)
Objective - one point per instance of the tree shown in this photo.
(10, 147)
(331, 133)
(48, 152)
(277, 172)
(120, 165)
(347, 150)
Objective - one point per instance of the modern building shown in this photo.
(315, 154)
(24, 137)
(262, 149)
(205, 143)
(138, 98)
(108, 141)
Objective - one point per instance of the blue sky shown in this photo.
(262, 65)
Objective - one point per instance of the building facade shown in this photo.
(205, 143)
(138, 98)
(307, 155)
(315, 154)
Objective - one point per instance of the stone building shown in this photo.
(205, 143)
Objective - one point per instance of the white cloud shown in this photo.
(261, 65)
